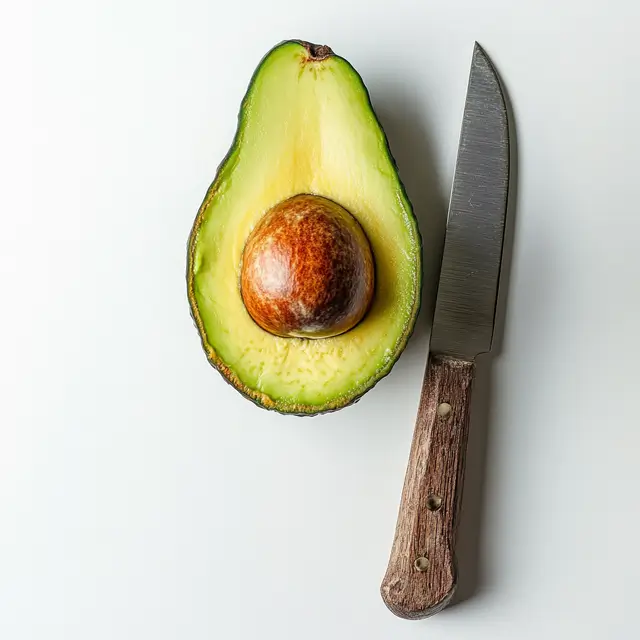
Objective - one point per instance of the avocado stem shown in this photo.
(316, 52)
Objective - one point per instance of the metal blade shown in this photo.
(467, 291)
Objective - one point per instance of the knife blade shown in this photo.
(422, 574)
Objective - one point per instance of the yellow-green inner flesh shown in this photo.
(306, 127)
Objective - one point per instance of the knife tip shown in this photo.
(481, 57)
(477, 48)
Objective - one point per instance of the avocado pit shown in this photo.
(307, 269)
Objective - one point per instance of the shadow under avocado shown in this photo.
(411, 148)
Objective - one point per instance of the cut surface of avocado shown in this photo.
(306, 126)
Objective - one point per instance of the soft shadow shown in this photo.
(473, 575)
(405, 126)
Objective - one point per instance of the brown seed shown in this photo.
(307, 269)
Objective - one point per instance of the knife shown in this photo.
(421, 576)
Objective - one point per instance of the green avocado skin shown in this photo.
(259, 399)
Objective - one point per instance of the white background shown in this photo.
(141, 497)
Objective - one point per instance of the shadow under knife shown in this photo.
(410, 145)
(473, 574)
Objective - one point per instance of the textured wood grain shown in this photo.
(421, 576)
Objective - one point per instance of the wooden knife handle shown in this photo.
(421, 576)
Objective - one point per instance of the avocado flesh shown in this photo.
(306, 126)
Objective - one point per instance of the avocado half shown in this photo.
(306, 126)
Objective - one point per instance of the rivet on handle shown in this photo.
(421, 563)
(444, 409)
